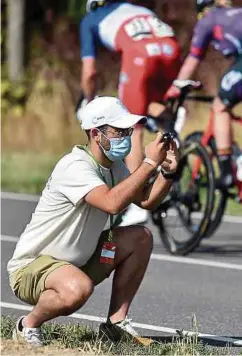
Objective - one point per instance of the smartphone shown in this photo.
(167, 137)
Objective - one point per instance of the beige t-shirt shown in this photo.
(63, 225)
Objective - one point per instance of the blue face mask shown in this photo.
(119, 148)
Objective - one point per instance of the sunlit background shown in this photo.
(41, 82)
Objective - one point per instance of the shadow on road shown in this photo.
(228, 250)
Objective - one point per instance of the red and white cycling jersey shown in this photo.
(118, 25)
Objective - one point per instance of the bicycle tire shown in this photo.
(172, 246)
(220, 195)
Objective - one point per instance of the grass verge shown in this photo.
(75, 339)
(28, 173)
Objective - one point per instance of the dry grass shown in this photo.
(11, 348)
(76, 339)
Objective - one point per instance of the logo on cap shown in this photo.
(122, 105)
(96, 119)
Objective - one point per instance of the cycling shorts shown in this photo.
(149, 67)
(230, 91)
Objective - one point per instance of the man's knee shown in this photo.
(219, 107)
(145, 238)
(76, 293)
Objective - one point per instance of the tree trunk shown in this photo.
(15, 39)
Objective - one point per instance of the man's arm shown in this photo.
(153, 194)
(116, 199)
(89, 78)
(88, 54)
(202, 36)
(189, 67)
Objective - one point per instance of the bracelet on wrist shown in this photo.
(167, 175)
(150, 162)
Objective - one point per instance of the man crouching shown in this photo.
(65, 250)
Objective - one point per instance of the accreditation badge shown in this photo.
(108, 253)
(108, 250)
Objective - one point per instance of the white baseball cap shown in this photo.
(107, 110)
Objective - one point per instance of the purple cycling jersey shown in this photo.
(223, 28)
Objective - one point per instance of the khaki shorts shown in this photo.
(28, 282)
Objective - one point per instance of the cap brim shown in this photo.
(128, 121)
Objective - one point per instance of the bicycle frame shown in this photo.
(208, 134)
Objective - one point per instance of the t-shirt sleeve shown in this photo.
(78, 179)
(202, 36)
(87, 38)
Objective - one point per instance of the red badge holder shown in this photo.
(108, 250)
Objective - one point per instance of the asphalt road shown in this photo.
(208, 283)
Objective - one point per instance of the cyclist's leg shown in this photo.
(230, 94)
(133, 93)
(169, 66)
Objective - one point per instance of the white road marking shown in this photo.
(168, 258)
(235, 342)
(20, 196)
(215, 243)
(9, 238)
(194, 261)
(35, 198)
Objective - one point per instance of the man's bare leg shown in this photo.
(223, 137)
(134, 247)
(155, 109)
(67, 289)
(222, 125)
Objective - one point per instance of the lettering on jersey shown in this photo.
(146, 27)
(156, 49)
(159, 28)
(153, 49)
(230, 79)
(138, 28)
(139, 61)
(234, 41)
(233, 12)
(166, 49)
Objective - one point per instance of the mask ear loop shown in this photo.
(99, 143)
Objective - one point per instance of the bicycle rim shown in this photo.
(184, 215)
(220, 196)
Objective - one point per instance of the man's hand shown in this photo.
(157, 150)
(170, 164)
(172, 92)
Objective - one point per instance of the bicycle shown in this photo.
(221, 196)
(190, 201)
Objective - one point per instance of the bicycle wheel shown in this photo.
(183, 217)
(220, 196)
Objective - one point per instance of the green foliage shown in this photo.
(13, 95)
(76, 9)
(26, 173)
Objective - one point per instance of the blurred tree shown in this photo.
(15, 39)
